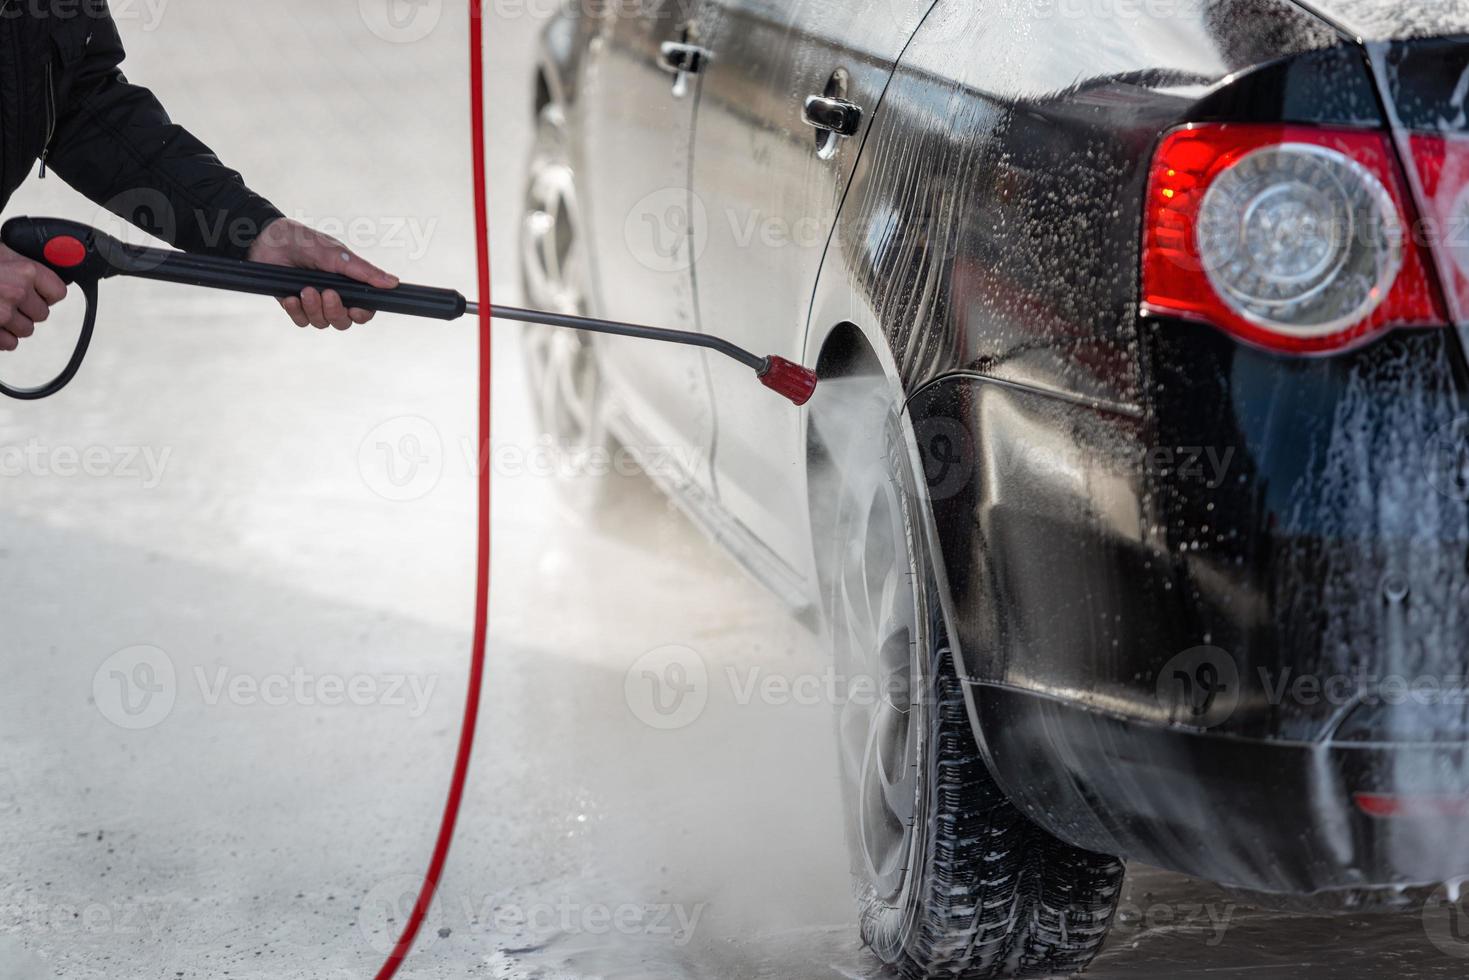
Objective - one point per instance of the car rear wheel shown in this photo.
(565, 379)
(951, 879)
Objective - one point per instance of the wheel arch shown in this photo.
(843, 352)
(562, 46)
(543, 96)
(845, 349)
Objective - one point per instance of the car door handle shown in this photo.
(832, 115)
(682, 59)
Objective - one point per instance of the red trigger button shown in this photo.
(65, 252)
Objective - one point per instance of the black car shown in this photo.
(1138, 484)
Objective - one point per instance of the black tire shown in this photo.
(566, 384)
(983, 892)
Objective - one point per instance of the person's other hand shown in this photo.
(287, 242)
(28, 290)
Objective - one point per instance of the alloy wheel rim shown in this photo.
(551, 241)
(878, 724)
(563, 369)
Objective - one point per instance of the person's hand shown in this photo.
(28, 290)
(287, 242)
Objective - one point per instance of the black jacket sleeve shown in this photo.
(115, 143)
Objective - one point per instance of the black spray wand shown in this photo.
(83, 256)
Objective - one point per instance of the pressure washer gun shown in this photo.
(83, 256)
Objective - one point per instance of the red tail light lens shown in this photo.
(1291, 238)
(1443, 167)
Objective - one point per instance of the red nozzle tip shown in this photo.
(789, 379)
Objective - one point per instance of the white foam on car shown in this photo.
(1390, 20)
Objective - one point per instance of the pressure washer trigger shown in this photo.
(74, 251)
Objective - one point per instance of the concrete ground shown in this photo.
(238, 566)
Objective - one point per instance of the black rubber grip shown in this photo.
(105, 257)
(281, 282)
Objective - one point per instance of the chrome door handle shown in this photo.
(832, 115)
(680, 56)
(681, 59)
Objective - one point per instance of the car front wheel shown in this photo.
(565, 377)
(951, 879)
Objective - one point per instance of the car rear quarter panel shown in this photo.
(1110, 492)
(992, 230)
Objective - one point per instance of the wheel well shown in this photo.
(846, 353)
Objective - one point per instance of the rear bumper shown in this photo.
(1186, 624)
(1268, 816)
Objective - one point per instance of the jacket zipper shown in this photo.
(50, 117)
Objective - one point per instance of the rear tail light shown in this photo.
(1291, 238)
(1443, 167)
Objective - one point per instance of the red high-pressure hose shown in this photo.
(482, 598)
